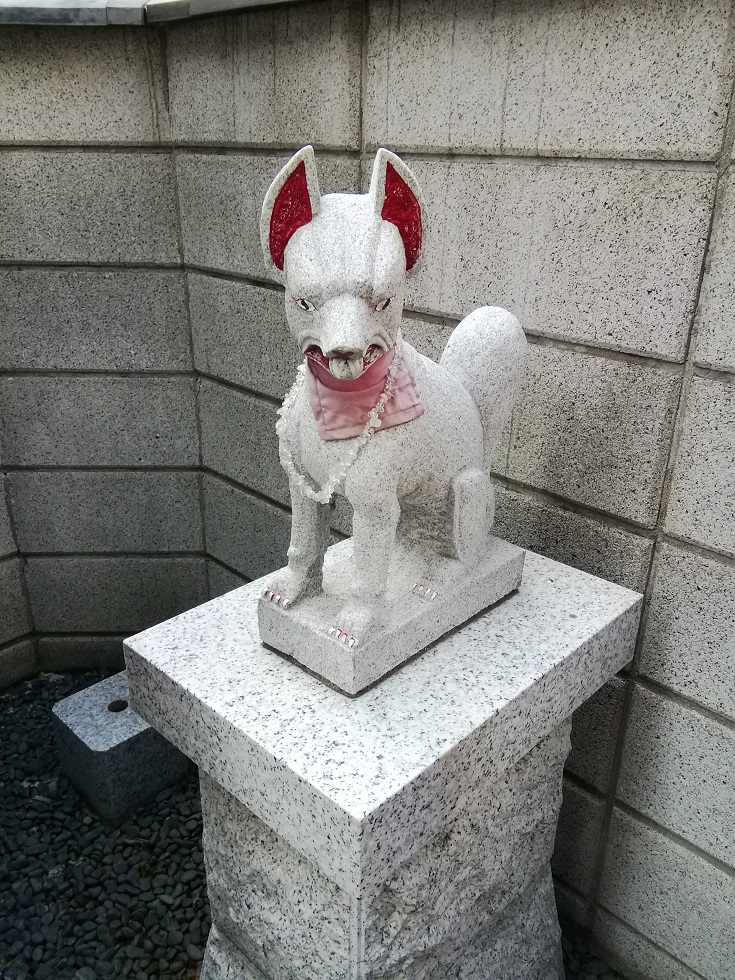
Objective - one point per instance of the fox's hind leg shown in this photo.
(471, 498)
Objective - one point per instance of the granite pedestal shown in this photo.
(402, 834)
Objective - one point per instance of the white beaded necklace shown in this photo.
(373, 422)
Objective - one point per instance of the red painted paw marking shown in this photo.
(341, 636)
(280, 600)
(425, 591)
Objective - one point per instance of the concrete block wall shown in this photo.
(577, 163)
(98, 418)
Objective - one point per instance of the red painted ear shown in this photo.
(397, 198)
(291, 210)
(291, 202)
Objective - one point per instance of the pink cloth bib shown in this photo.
(341, 407)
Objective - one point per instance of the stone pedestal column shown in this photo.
(404, 834)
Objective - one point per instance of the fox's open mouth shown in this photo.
(345, 368)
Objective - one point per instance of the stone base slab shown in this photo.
(416, 615)
(476, 901)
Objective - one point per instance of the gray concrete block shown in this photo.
(675, 756)
(594, 430)
(117, 762)
(239, 439)
(633, 955)
(595, 729)
(62, 653)
(222, 580)
(82, 86)
(244, 532)
(74, 206)
(591, 254)
(689, 644)
(106, 511)
(570, 905)
(575, 539)
(98, 421)
(715, 323)
(241, 335)
(578, 837)
(13, 613)
(671, 896)
(285, 76)
(702, 499)
(93, 319)
(221, 199)
(112, 595)
(7, 542)
(561, 78)
(17, 663)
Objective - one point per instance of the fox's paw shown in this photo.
(289, 586)
(355, 623)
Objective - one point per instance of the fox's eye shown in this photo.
(305, 305)
(382, 305)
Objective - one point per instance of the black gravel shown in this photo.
(80, 900)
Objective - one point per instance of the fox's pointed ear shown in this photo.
(293, 199)
(397, 198)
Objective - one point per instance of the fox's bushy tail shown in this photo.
(487, 353)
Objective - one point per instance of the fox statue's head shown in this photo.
(343, 258)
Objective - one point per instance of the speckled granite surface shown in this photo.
(412, 620)
(288, 918)
(359, 785)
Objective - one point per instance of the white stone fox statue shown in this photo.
(407, 441)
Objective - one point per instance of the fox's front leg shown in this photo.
(376, 513)
(309, 540)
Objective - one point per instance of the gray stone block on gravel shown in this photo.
(116, 761)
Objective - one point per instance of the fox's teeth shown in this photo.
(346, 370)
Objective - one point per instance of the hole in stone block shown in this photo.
(118, 705)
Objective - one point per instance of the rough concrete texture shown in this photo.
(282, 77)
(676, 898)
(246, 533)
(85, 511)
(239, 439)
(13, 615)
(597, 255)
(75, 206)
(240, 335)
(223, 579)
(114, 758)
(558, 78)
(17, 662)
(7, 541)
(594, 735)
(673, 756)
(715, 337)
(121, 594)
(98, 421)
(689, 645)
(221, 198)
(62, 653)
(702, 502)
(635, 955)
(95, 87)
(574, 539)
(594, 430)
(283, 913)
(578, 837)
(93, 320)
